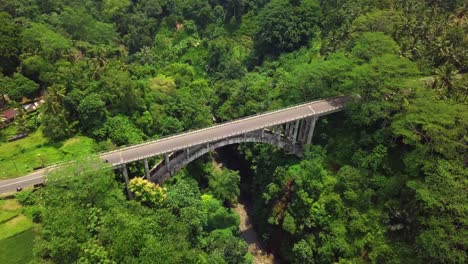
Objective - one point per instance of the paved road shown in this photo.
(10, 185)
(202, 136)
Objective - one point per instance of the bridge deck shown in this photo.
(202, 136)
(214, 133)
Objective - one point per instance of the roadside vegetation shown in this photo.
(385, 181)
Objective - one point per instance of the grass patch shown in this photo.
(17, 249)
(15, 226)
(9, 205)
(20, 157)
(6, 216)
(16, 233)
(9, 209)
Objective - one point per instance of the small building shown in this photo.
(33, 106)
(10, 115)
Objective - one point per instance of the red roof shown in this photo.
(10, 114)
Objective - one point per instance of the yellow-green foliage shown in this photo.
(147, 192)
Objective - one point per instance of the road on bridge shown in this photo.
(194, 138)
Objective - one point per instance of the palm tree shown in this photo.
(54, 99)
(445, 80)
(461, 88)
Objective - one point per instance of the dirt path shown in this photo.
(250, 237)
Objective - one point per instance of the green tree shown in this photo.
(232, 249)
(184, 200)
(88, 191)
(53, 115)
(370, 45)
(51, 44)
(119, 91)
(441, 197)
(224, 184)
(9, 42)
(284, 27)
(147, 192)
(386, 21)
(218, 216)
(92, 112)
(303, 253)
(122, 131)
(114, 8)
(78, 22)
(18, 87)
(381, 84)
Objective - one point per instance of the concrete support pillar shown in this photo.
(300, 137)
(125, 175)
(291, 130)
(296, 130)
(166, 163)
(187, 153)
(305, 131)
(147, 172)
(286, 132)
(311, 130)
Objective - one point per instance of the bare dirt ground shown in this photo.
(260, 255)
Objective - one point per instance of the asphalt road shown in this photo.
(31, 179)
(189, 139)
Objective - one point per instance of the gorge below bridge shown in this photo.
(289, 128)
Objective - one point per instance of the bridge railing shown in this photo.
(55, 165)
(214, 139)
(150, 141)
(236, 120)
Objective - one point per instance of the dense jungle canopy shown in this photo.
(385, 181)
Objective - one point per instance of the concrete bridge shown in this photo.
(290, 129)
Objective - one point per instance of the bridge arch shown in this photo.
(176, 161)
